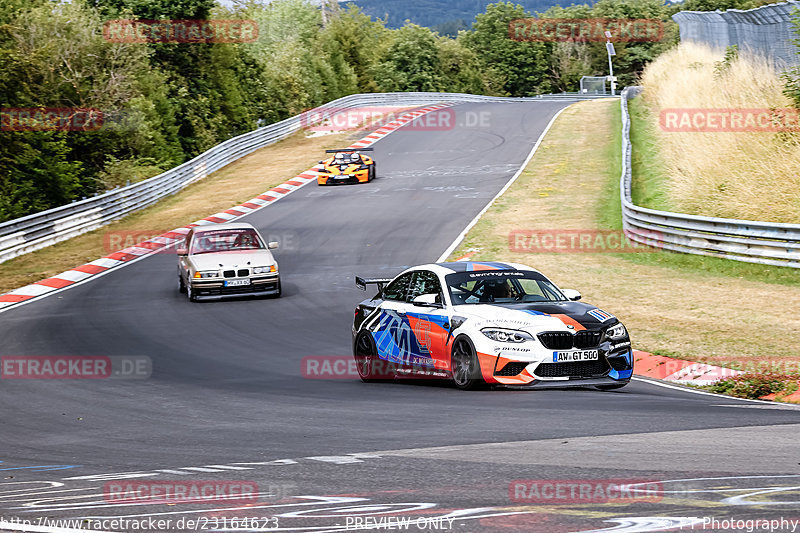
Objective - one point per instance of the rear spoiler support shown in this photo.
(362, 283)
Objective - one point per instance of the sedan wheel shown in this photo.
(466, 370)
(190, 293)
(181, 284)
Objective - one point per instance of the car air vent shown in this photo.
(587, 339)
(229, 273)
(512, 369)
(243, 272)
(578, 369)
(557, 340)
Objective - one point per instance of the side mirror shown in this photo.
(272, 245)
(322, 162)
(182, 251)
(427, 300)
(571, 294)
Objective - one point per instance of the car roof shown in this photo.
(454, 267)
(227, 225)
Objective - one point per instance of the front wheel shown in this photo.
(372, 172)
(465, 367)
(190, 292)
(181, 284)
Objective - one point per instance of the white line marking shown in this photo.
(718, 396)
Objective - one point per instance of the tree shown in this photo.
(412, 62)
(520, 68)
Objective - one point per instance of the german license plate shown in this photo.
(575, 355)
(237, 282)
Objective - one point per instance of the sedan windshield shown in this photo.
(225, 241)
(502, 286)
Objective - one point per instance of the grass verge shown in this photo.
(695, 308)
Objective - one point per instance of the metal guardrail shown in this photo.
(768, 243)
(26, 234)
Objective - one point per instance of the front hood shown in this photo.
(232, 259)
(534, 317)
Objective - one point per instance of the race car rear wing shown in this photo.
(362, 283)
(349, 150)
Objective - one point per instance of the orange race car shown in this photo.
(346, 166)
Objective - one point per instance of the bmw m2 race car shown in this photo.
(227, 260)
(483, 323)
(346, 166)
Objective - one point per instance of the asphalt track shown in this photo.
(228, 389)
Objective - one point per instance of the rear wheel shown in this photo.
(372, 172)
(370, 367)
(181, 284)
(465, 366)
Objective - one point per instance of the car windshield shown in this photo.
(225, 241)
(502, 286)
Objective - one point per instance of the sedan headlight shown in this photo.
(207, 274)
(617, 331)
(507, 335)
(264, 270)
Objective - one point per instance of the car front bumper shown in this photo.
(216, 289)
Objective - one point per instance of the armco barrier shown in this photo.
(26, 234)
(751, 241)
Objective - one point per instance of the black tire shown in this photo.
(615, 386)
(278, 294)
(466, 370)
(181, 284)
(372, 172)
(370, 367)
(190, 293)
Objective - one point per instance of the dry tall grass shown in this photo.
(748, 175)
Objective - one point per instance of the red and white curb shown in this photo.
(679, 371)
(128, 255)
(682, 372)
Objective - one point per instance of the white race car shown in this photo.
(227, 260)
(487, 323)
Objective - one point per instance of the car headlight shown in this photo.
(264, 270)
(207, 274)
(617, 331)
(507, 335)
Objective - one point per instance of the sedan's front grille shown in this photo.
(578, 369)
(564, 340)
(243, 272)
(511, 369)
(229, 273)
